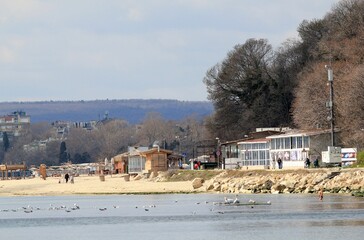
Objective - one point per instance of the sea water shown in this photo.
(181, 216)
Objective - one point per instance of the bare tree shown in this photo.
(80, 141)
(243, 91)
(114, 137)
(152, 129)
(353, 111)
(312, 93)
(41, 131)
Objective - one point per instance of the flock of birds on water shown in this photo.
(227, 202)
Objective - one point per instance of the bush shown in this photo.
(360, 159)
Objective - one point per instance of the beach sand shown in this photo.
(90, 185)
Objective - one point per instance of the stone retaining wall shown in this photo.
(330, 180)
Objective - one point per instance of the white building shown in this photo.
(292, 147)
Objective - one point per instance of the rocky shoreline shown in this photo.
(342, 181)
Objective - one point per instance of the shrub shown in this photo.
(360, 158)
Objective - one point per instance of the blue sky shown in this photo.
(127, 49)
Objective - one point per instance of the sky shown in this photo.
(132, 49)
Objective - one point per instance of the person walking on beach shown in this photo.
(67, 176)
(321, 194)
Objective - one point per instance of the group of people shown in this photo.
(196, 165)
(67, 177)
(308, 163)
(279, 162)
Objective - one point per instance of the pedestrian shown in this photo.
(273, 163)
(67, 176)
(72, 179)
(316, 163)
(321, 194)
(279, 161)
(307, 163)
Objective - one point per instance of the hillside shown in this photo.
(131, 110)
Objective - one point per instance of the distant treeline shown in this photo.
(131, 110)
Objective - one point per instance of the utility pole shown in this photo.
(330, 104)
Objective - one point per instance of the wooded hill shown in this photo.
(289, 86)
(132, 110)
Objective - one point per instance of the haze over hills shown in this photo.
(131, 110)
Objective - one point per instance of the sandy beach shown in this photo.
(89, 185)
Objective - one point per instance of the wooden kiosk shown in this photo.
(5, 169)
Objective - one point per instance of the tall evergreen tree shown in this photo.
(63, 156)
(6, 143)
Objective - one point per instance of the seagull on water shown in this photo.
(28, 210)
(75, 207)
(251, 201)
(228, 200)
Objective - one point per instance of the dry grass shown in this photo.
(189, 175)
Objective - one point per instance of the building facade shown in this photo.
(142, 160)
(13, 124)
(292, 147)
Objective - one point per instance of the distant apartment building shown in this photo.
(14, 124)
(63, 128)
(36, 145)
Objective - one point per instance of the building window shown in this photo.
(136, 164)
(287, 143)
(294, 142)
(299, 142)
(257, 154)
(306, 142)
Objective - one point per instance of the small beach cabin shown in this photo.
(121, 163)
(142, 160)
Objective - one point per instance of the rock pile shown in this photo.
(330, 180)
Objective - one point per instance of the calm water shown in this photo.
(182, 217)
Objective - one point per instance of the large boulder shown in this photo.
(278, 188)
(217, 186)
(197, 183)
(209, 187)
